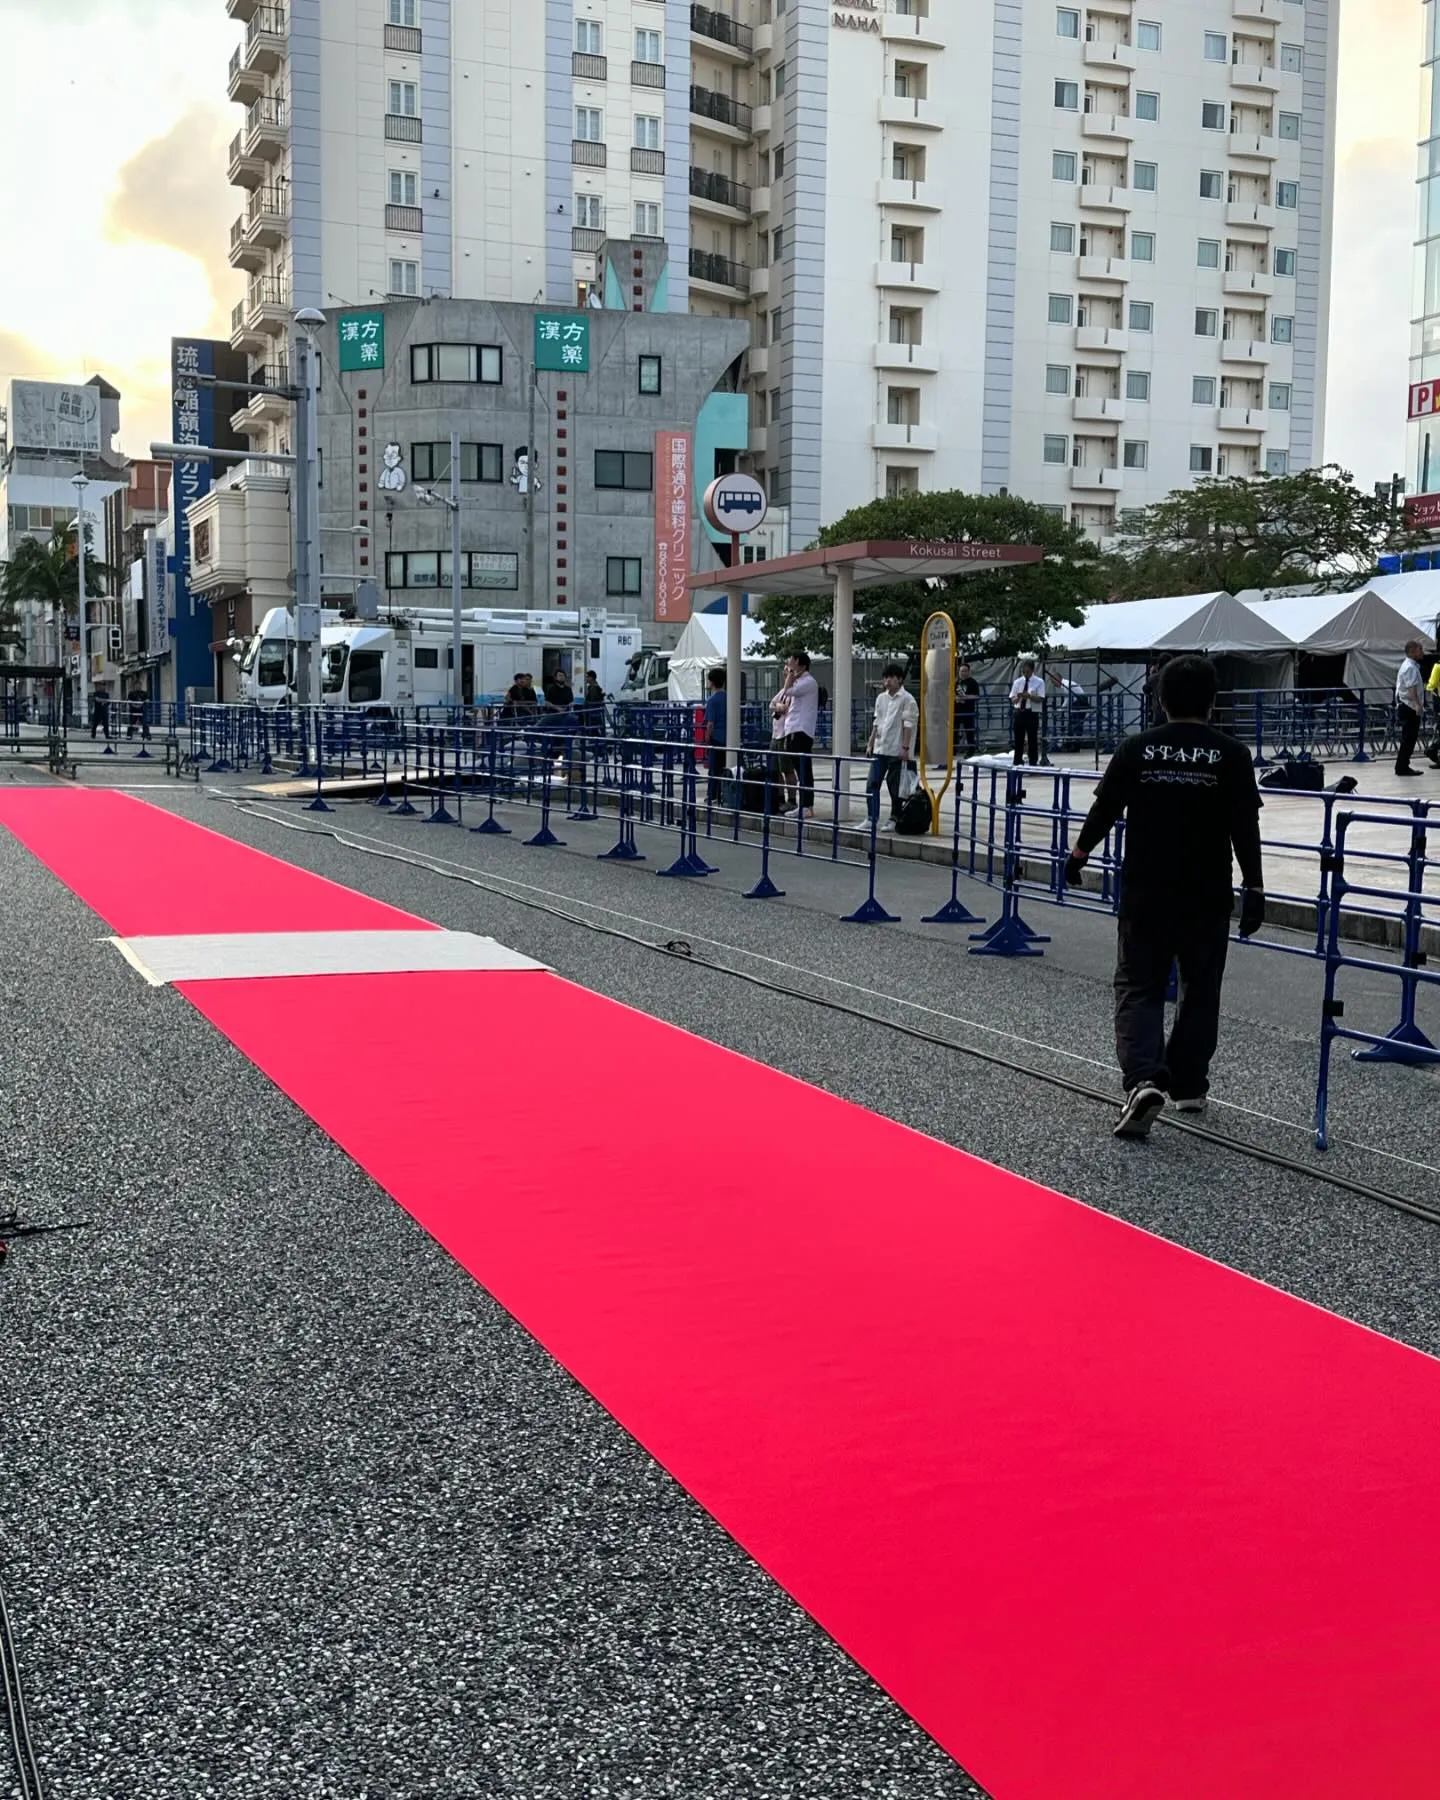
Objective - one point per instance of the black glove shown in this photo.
(1252, 911)
(1074, 866)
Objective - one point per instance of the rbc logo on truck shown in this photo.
(735, 504)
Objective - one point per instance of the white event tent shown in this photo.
(1132, 632)
(702, 647)
(1364, 627)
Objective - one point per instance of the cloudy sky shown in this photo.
(121, 239)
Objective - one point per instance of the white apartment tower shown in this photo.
(1080, 253)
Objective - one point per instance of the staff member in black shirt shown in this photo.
(1189, 796)
(967, 700)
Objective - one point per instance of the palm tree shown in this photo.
(44, 574)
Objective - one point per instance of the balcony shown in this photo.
(267, 306)
(918, 115)
(1248, 419)
(760, 200)
(267, 128)
(241, 9)
(719, 272)
(722, 115)
(915, 196)
(912, 277)
(1254, 144)
(244, 255)
(585, 67)
(904, 437)
(757, 362)
(1111, 63)
(1098, 196)
(1251, 215)
(1250, 352)
(759, 283)
(1098, 409)
(762, 120)
(1107, 481)
(921, 29)
(719, 30)
(1111, 128)
(1262, 12)
(247, 166)
(764, 38)
(267, 217)
(647, 74)
(403, 128)
(1108, 269)
(1113, 338)
(585, 240)
(1249, 283)
(647, 162)
(266, 35)
(245, 333)
(586, 153)
(758, 443)
(405, 38)
(719, 193)
(1112, 9)
(246, 84)
(263, 410)
(920, 359)
(407, 219)
(1255, 78)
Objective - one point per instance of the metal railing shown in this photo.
(403, 128)
(708, 265)
(705, 103)
(706, 184)
(722, 29)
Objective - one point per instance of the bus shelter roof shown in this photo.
(871, 564)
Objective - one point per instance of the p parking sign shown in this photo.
(562, 342)
(362, 340)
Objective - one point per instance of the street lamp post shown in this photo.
(80, 482)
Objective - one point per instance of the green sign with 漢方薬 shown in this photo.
(362, 340)
(562, 342)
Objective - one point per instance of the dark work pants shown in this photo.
(1027, 733)
(1148, 946)
(798, 746)
(1409, 723)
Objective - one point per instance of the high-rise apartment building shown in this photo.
(1423, 450)
(1075, 252)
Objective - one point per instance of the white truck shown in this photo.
(403, 659)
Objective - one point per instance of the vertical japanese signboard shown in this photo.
(562, 342)
(672, 526)
(192, 422)
(362, 340)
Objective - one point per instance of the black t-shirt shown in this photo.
(1188, 794)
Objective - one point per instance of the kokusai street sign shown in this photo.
(735, 503)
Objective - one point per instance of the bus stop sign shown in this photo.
(735, 503)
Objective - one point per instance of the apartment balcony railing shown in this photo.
(269, 292)
(265, 35)
(404, 37)
(587, 152)
(647, 74)
(720, 189)
(410, 219)
(585, 240)
(585, 67)
(705, 103)
(719, 271)
(647, 162)
(403, 128)
(721, 30)
(246, 84)
(267, 126)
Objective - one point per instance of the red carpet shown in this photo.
(1112, 1522)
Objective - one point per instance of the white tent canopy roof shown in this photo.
(1330, 624)
(1415, 596)
(703, 640)
(1215, 623)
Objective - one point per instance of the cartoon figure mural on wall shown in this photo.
(520, 476)
(392, 476)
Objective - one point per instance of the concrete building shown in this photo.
(134, 515)
(1070, 251)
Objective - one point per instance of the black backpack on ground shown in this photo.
(915, 816)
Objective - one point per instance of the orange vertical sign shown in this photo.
(673, 505)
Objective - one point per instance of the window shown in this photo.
(403, 183)
(400, 12)
(1207, 253)
(404, 277)
(1206, 321)
(649, 375)
(779, 79)
(589, 212)
(589, 37)
(902, 405)
(1147, 106)
(1144, 175)
(1135, 454)
(589, 126)
(1057, 378)
(1279, 396)
(1142, 315)
(1282, 330)
(622, 575)
(1142, 246)
(1277, 462)
(427, 657)
(1212, 184)
(647, 47)
(1147, 35)
(478, 462)
(647, 132)
(647, 218)
(1202, 391)
(1067, 22)
(1288, 127)
(455, 362)
(1202, 459)
(1212, 115)
(1284, 262)
(777, 244)
(625, 469)
(779, 161)
(777, 325)
(1287, 193)
(1137, 384)
(901, 481)
(1063, 165)
(402, 98)
(1217, 47)
(1062, 309)
(1057, 450)
(1062, 238)
(1292, 58)
(1067, 96)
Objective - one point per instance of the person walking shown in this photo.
(801, 711)
(1189, 797)
(892, 737)
(967, 706)
(99, 712)
(1027, 699)
(1409, 706)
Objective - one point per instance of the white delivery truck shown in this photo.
(403, 658)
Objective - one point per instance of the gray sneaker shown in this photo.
(1197, 1105)
(1143, 1105)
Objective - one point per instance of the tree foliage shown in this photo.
(1018, 604)
(43, 572)
(1255, 532)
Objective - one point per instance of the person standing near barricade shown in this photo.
(1189, 797)
(1409, 706)
(715, 723)
(801, 712)
(967, 705)
(1027, 698)
(1432, 688)
(892, 738)
(594, 704)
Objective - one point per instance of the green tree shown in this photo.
(43, 572)
(1255, 532)
(1017, 604)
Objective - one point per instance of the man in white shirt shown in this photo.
(1409, 706)
(1027, 698)
(892, 736)
(801, 712)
